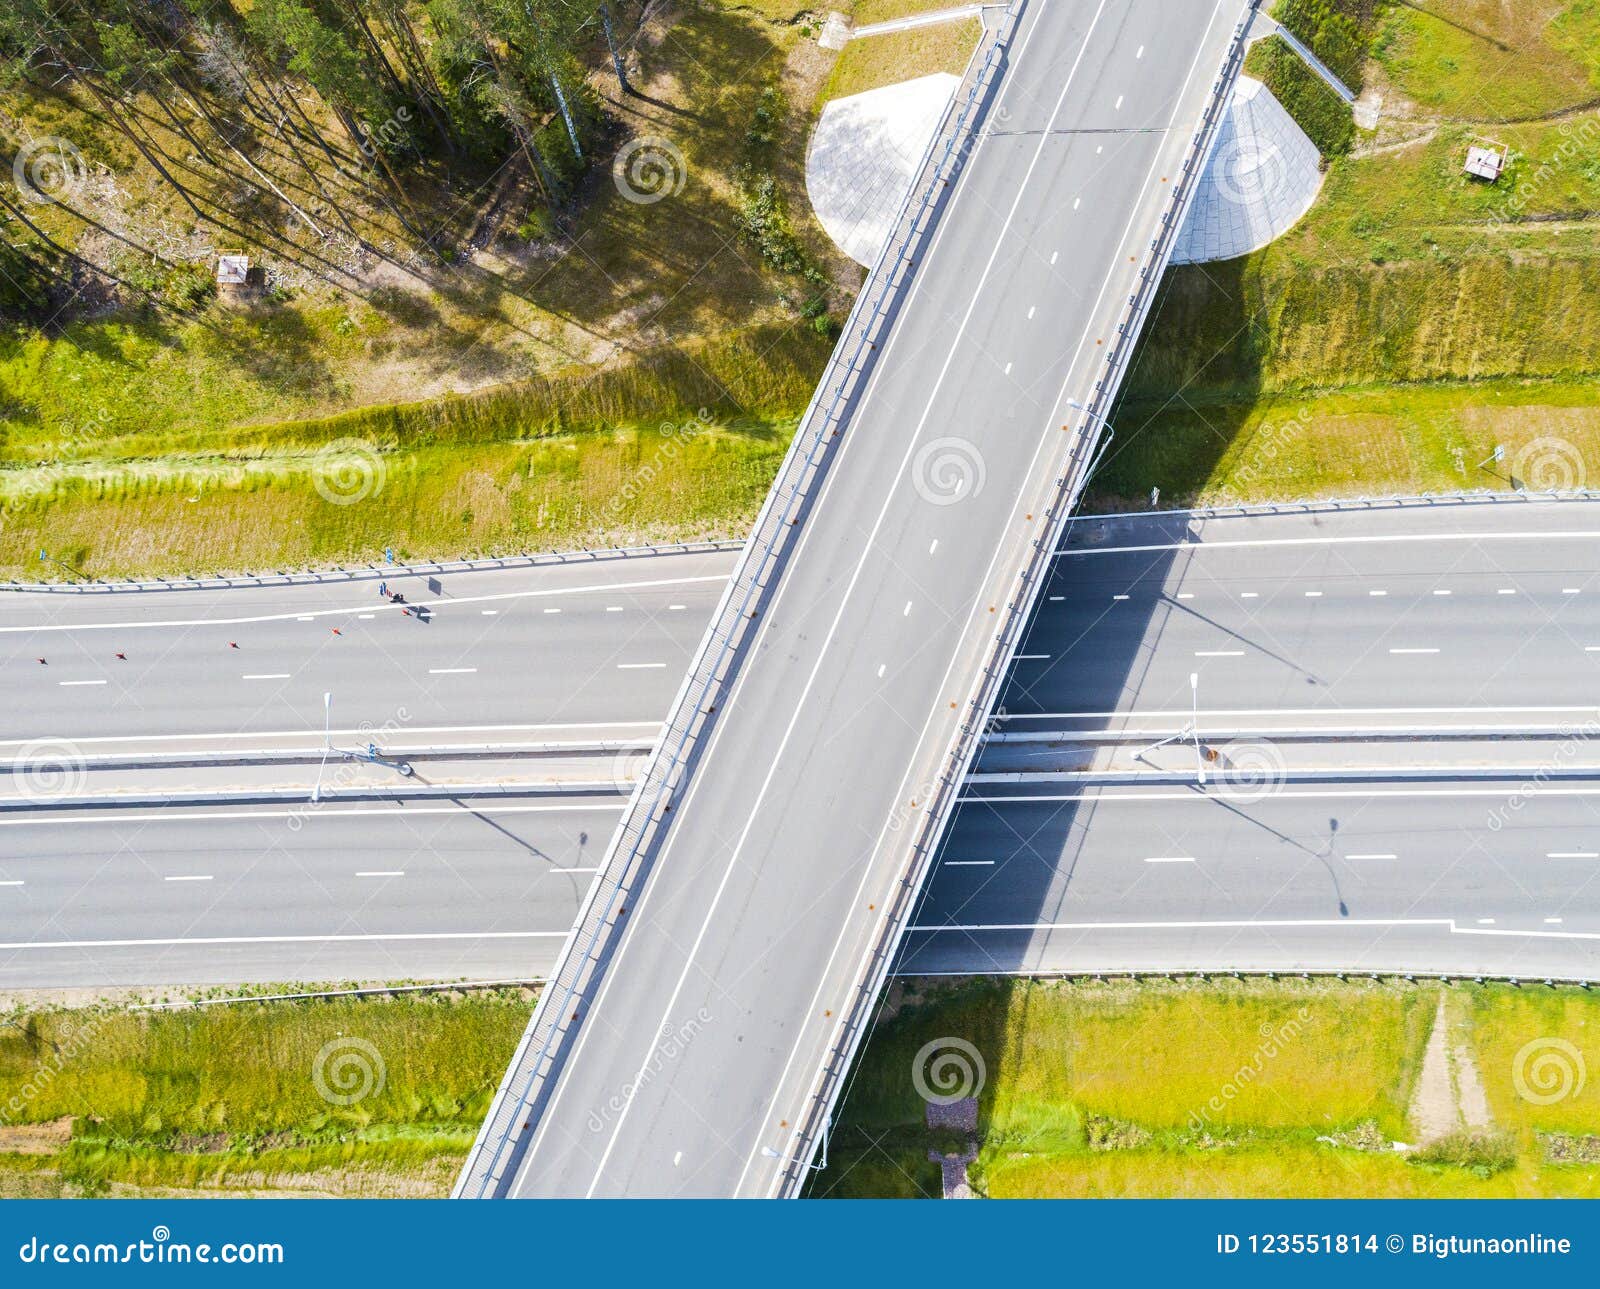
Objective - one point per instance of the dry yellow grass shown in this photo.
(1538, 1053)
(1277, 1171)
(897, 56)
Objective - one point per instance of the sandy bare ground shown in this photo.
(1449, 1094)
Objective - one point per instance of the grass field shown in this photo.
(1247, 1088)
(1482, 60)
(1279, 1170)
(339, 1096)
(1362, 441)
(896, 56)
(1323, 115)
(658, 449)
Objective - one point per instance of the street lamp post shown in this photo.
(1190, 731)
(769, 1153)
(327, 743)
(1194, 727)
(1110, 430)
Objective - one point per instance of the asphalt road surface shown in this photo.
(1447, 877)
(370, 892)
(521, 650)
(1453, 607)
(774, 880)
(80, 904)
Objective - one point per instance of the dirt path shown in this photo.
(1449, 1094)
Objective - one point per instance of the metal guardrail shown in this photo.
(370, 572)
(1376, 976)
(1383, 501)
(497, 1149)
(299, 796)
(1081, 456)
(995, 781)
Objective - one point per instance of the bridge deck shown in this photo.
(718, 982)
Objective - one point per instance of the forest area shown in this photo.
(347, 118)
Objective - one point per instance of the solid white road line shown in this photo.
(1572, 854)
(1110, 796)
(168, 814)
(1364, 539)
(80, 682)
(451, 671)
(1417, 650)
(265, 675)
(1449, 925)
(191, 877)
(1169, 859)
(346, 610)
(1372, 855)
(382, 872)
(652, 722)
(639, 666)
(19, 946)
(1305, 711)
(1219, 653)
(969, 863)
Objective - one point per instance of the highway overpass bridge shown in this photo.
(755, 894)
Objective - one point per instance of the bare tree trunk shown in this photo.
(616, 54)
(566, 115)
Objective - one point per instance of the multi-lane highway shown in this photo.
(1307, 634)
(761, 904)
(432, 890)
(582, 652)
(466, 653)
(1253, 873)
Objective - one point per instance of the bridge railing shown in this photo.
(497, 1151)
(857, 1016)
